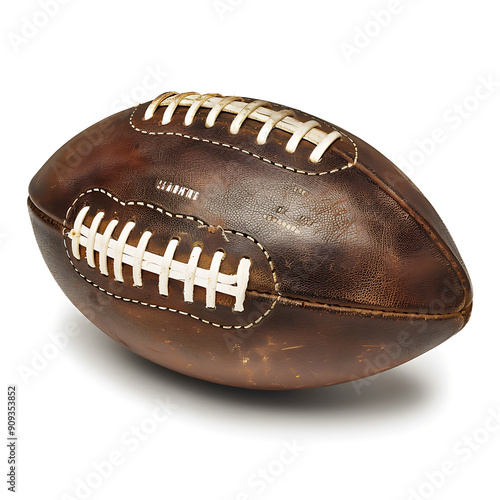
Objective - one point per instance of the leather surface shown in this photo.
(190, 233)
(299, 345)
(345, 245)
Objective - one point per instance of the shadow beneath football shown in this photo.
(393, 393)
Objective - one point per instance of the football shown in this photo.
(247, 243)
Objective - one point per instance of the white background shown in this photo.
(413, 73)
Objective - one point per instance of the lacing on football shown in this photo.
(165, 266)
(255, 110)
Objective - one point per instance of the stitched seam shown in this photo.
(179, 216)
(423, 223)
(258, 157)
(279, 298)
(359, 307)
(331, 126)
(355, 146)
(42, 215)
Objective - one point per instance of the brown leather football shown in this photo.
(248, 244)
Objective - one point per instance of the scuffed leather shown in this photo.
(356, 254)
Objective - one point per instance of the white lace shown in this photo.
(256, 110)
(119, 250)
(165, 266)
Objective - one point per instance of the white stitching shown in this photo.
(120, 246)
(191, 273)
(340, 132)
(256, 110)
(166, 262)
(297, 171)
(106, 237)
(91, 238)
(163, 308)
(212, 278)
(140, 251)
(75, 233)
(137, 256)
